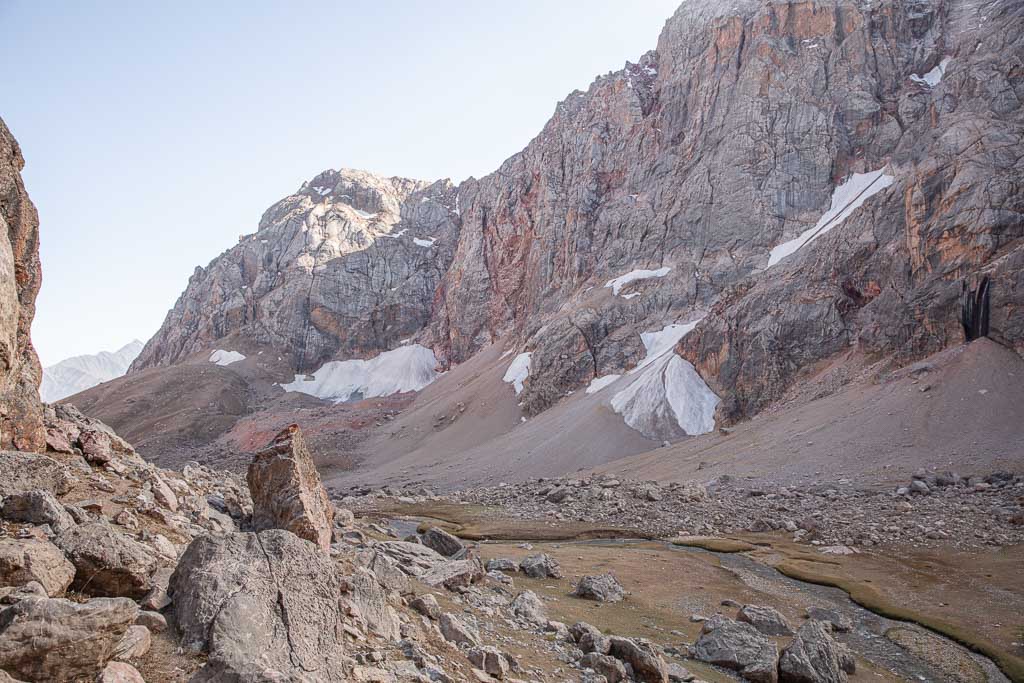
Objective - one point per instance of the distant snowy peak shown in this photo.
(79, 373)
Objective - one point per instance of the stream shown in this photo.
(867, 638)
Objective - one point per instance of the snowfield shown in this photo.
(407, 368)
(518, 371)
(618, 283)
(599, 383)
(668, 394)
(221, 357)
(846, 198)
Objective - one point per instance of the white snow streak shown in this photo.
(933, 77)
(518, 371)
(221, 357)
(424, 243)
(845, 199)
(634, 275)
(407, 368)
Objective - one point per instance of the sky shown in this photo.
(156, 133)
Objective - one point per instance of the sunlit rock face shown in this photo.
(21, 413)
(344, 268)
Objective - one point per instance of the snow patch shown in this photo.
(221, 357)
(668, 391)
(633, 276)
(424, 243)
(407, 368)
(599, 383)
(933, 77)
(518, 371)
(396, 235)
(846, 198)
(364, 214)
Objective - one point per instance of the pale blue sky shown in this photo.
(156, 133)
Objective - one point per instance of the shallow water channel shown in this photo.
(867, 638)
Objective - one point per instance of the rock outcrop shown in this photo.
(21, 413)
(53, 639)
(286, 490)
(344, 268)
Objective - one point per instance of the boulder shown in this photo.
(120, 672)
(270, 593)
(154, 621)
(107, 562)
(286, 490)
(37, 507)
(20, 472)
(611, 668)
(372, 603)
(162, 493)
(541, 566)
(814, 656)
(454, 574)
(426, 605)
(833, 617)
(501, 564)
(767, 620)
(648, 666)
(490, 660)
(385, 569)
(602, 587)
(134, 644)
(528, 607)
(53, 639)
(441, 541)
(739, 647)
(32, 559)
(457, 631)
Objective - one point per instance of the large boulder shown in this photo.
(739, 647)
(108, 562)
(371, 600)
(528, 607)
(442, 541)
(611, 668)
(814, 656)
(53, 639)
(602, 587)
(541, 566)
(32, 559)
(287, 492)
(262, 605)
(21, 472)
(767, 620)
(37, 507)
(648, 666)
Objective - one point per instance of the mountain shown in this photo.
(79, 373)
(21, 414)
(776, 191)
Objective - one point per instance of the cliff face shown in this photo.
(739, 133)
(730, 140)
(21, 415)
(345, 267)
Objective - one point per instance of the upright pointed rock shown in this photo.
(286, 490)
